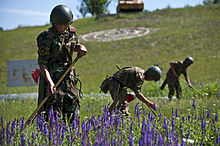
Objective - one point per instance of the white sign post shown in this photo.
(20, 73)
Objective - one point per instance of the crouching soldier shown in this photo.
(132, 78)
(172, 79)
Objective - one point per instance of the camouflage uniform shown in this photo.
(173, 81)
(57, 58)
(128, 77)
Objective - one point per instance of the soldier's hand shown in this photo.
(190, 85)
(82, 51)
(52, 88)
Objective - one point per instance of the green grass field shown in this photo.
(189, 31)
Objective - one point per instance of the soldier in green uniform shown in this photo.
(55, 50)
(132, 78)
(172, 79)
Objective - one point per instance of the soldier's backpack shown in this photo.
(105, 85)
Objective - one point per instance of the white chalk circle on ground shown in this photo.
(116, 34)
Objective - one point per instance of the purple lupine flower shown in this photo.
(189, 118)
(45, 129)
(83, 126)
(176, 113)
(160, 140)
(141, 141)
(173, 113)
(149, 116)
(13, 127)
(183, 118)
(173, 135)
(216, 116)
(112, 140)
(194, 104)
(130, 140)
(8, 133)
(173, 124)
(155, 138)
(217, 138)
(22, 124)
(119, 132)
(203, 124)
(208, 114)
(33, 138)
(96, 143)
(187, 136)
(131, 127)
(74, 124)
(155, 106)
(23, 143)
(164, 123)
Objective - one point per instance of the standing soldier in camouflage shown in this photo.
(132, 78)
(55, 50)
(172, 79)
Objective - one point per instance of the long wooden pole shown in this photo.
(46, 98)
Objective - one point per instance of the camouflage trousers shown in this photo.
(118, 94)
(174, 84)
(65, 101)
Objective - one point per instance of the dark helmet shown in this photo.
(61, 14)
(188, 60)
(154, 72)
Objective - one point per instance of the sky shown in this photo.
(14, 13)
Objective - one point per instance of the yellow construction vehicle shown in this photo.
(130, 6)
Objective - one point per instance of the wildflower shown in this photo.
(216, 116)
(74, 124)
(131, 127)
(173, 124)
(22, 124)
(160, 140)
(8, 133)
(130, 140)
(13, 127)
(23, 140)
(194, 103)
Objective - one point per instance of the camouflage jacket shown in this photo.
(52, 53)
(178, 67)
(55, 57)
(131, 77)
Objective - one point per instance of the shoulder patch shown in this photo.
(43, 50)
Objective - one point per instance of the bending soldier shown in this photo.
(132, 78)
(55, 50)
(172, 78)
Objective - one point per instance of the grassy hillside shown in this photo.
(180, 33)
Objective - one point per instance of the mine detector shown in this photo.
(130, 6)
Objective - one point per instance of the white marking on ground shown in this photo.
(116, 34)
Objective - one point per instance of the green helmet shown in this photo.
(61, 14)
(188, 60)
(154, 72)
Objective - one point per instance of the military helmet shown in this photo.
(154, 72)
(61, 14)
(188, 60)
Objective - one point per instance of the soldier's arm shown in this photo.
(188, 80)
(141, 97)
(172, 68)
(46, 75)
(81, 49)
(76, 46)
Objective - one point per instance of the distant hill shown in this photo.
(189, 31)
